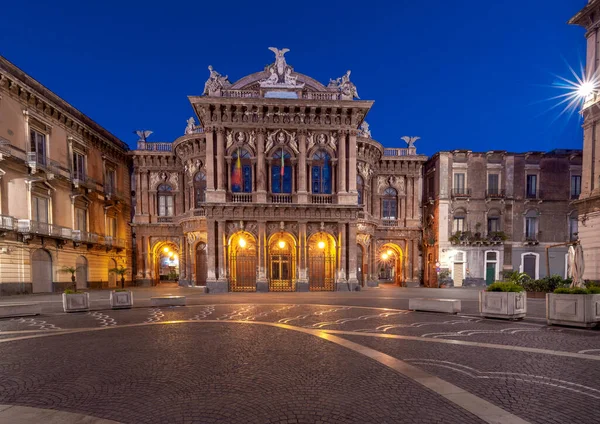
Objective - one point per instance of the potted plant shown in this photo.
(444, 279)
(506, 300)
(121, 298)
(121, 271)
(576, 307)
(70, 270)
(75, 301)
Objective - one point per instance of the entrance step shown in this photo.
(20, 309)
(167, 301)
(448, 306)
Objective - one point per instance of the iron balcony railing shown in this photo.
(494, 193)
(390, 222)
(321, 199)
(8, 223)
(461, 192)
(165, 219)
(28, 226)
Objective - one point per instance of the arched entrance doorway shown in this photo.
(81, 272)
(321, 262)
(41, 271)
(167, 264)
(112, 277)
(282, 262)
(201, 264)
(242, 262)
(390, 264)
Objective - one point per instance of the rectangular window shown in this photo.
(165, 205)
(279, 184)
(575, 186)
(493, 225)
(80, 219)
(39, 209)
(458, 224)
(573, 229)
(38, 145)
(493, 184)
(530, 228)
(111, 226)
(78, 166)
(459, 184)
(389, 209)
(532, 186)
(430, 187)
(110, 184)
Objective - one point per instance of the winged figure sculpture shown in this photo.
(410, 140)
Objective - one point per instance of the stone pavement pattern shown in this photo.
(134, 366)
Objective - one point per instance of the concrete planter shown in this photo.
(506, 305)
(576, 310)
(76, 302)
(121, 299)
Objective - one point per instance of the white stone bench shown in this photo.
(448, 306)
(19, 309)
(168, 301)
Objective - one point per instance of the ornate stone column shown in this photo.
(221, 194)
(376, 204)
(352, 253)
(351, 154)
(262, 285)
(261, 176)
(213, 247)
(410, 184)
(210, 162)
(415, 262)
(221, 246)
(341, 281)
(302, 283)
(183, 279)
(302, 192)
(341, 180)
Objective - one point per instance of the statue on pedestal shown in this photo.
(215, 82)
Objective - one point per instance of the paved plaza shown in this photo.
(294, 358)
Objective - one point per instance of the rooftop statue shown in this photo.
(191, 126)
(215, 82)
(280, 73)
(346, 88)
(364, 131)
(410, 140)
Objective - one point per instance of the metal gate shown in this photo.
(242, 273)
(321, 271)
(281, 268)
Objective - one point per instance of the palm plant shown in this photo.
(122, 271)
(70, 270)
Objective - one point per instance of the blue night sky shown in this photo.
(461, 74)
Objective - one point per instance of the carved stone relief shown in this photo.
(282, 137)
(385, 181)
(364, 239)
(365, 170)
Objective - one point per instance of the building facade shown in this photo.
(589, 201)
(64, 192)
(279, 188)
(496, 211)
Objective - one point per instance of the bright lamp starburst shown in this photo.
(578, 91)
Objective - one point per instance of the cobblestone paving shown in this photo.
(213, 373)
(538, 388)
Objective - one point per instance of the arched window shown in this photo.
(281, 172)
(165, 200)
(360, 188)
(389, 204)
(199, 189)
(321, 173)
(241, 171)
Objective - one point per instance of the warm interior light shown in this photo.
(281, 244)
(166, 250)
(171, 254)
(242, 243)
(321, 245)
(175, 257)
(389, 252)
(384, 256)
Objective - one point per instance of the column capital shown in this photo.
(302, 132)
(220, 130)
(353, 133)
(209, 128)
(262, 131)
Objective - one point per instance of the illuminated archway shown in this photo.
(241, 251)
(390, 264)
(321, 262)
(282, 262)
(166, 262)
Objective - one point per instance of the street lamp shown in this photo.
(166, 250)
(242, 243)
(384, 256)
(281, 244)
(321, 245)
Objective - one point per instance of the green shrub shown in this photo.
(594, 290)
(71, 291)
(577, 290)
(121, 290)
(505, 287)
(562, 290)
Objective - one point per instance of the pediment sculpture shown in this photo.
(393, 181)
(346, 87)
(215, 82)
(410, 141)
(363, 130)
(282, 137)
(191, 126)
(280, 73)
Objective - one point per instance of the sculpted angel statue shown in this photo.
(280, 63)
(191, 126)
(364, 129)
(215, 81)
(410, 140)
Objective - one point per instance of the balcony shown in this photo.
(403, 151)
(533, 195)
(495, 193)
(240, 197)
(390, 222)
(155, 147)
(280, 198)
(461, 192)
(200, 212)
(321, 199)
(165, 219)
(81, 236)
(28, 226)
(8, 223)
(39, 161)
(533, 238)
